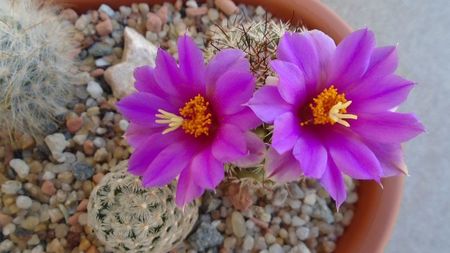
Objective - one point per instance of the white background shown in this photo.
(422, 29)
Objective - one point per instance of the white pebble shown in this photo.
(48, 175)
(295, 204)
(192, 4)
(23, 202)
(276, 248)
(79, 138)
(280, 197)
(270, 238)
(102, 62)
(297, 221)
(20, 167)
(11, 187)
(94, 89)
(38, 249)
(249, 242)
(310, 199)
(9, 229)
(107, 10)
(99, 142)
(57, 143)
(260, 11)
(6, 245)
(213, 14)
(123, 124)
(302, 233)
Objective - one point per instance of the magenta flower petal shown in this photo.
(353, 157)
(383, 62)
(137, 134)
(311, 154)
(233, 90)
(282, 167)
(325, 46)
(148, 149)
(141, 107)
(291, 81)
(246, 118)
(224, 61)
(167, 165)
(229, 144)
(333, 182)
(267, 104)
(286, 132)
(388, 127)
(145, 81)
(351, 58)
(187, 189)
(383, 95)
(300, 49)
(211, 169)
(390, 157)
(168, 75)
(192, 65)
(256, 151)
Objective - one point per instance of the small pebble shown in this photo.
(94, 89)
(154, 23)
(107, 10)
(20, 167)
(23, 202)
(227, 6)
(104, 28)
(11, 187)
(238, 224)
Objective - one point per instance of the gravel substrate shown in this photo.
(45, 186)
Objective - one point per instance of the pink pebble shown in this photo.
(48, 188)
(73, 220)
(103, 16)
(94, 16)
(97, 72)
(154, 23)
(192, 12)
(162, 13)
(70, 15)
(97, 178)
(74, 124)
(104, 28)
(82, 206)
(227, 6)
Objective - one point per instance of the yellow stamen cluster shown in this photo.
(197, 116)
(330, 107)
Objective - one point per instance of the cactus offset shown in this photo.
(36, 66)
(130, 218)
(258, 39)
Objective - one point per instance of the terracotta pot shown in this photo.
(377, 208)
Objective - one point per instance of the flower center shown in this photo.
(330, 107)
(195, 117)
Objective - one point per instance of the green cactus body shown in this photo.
(129, 218)
(258, 39)
(36, 66)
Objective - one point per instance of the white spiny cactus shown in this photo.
(36, 66)
(130, 218)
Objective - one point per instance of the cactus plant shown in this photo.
(258, 39)
(36, 66)
(130, 218)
